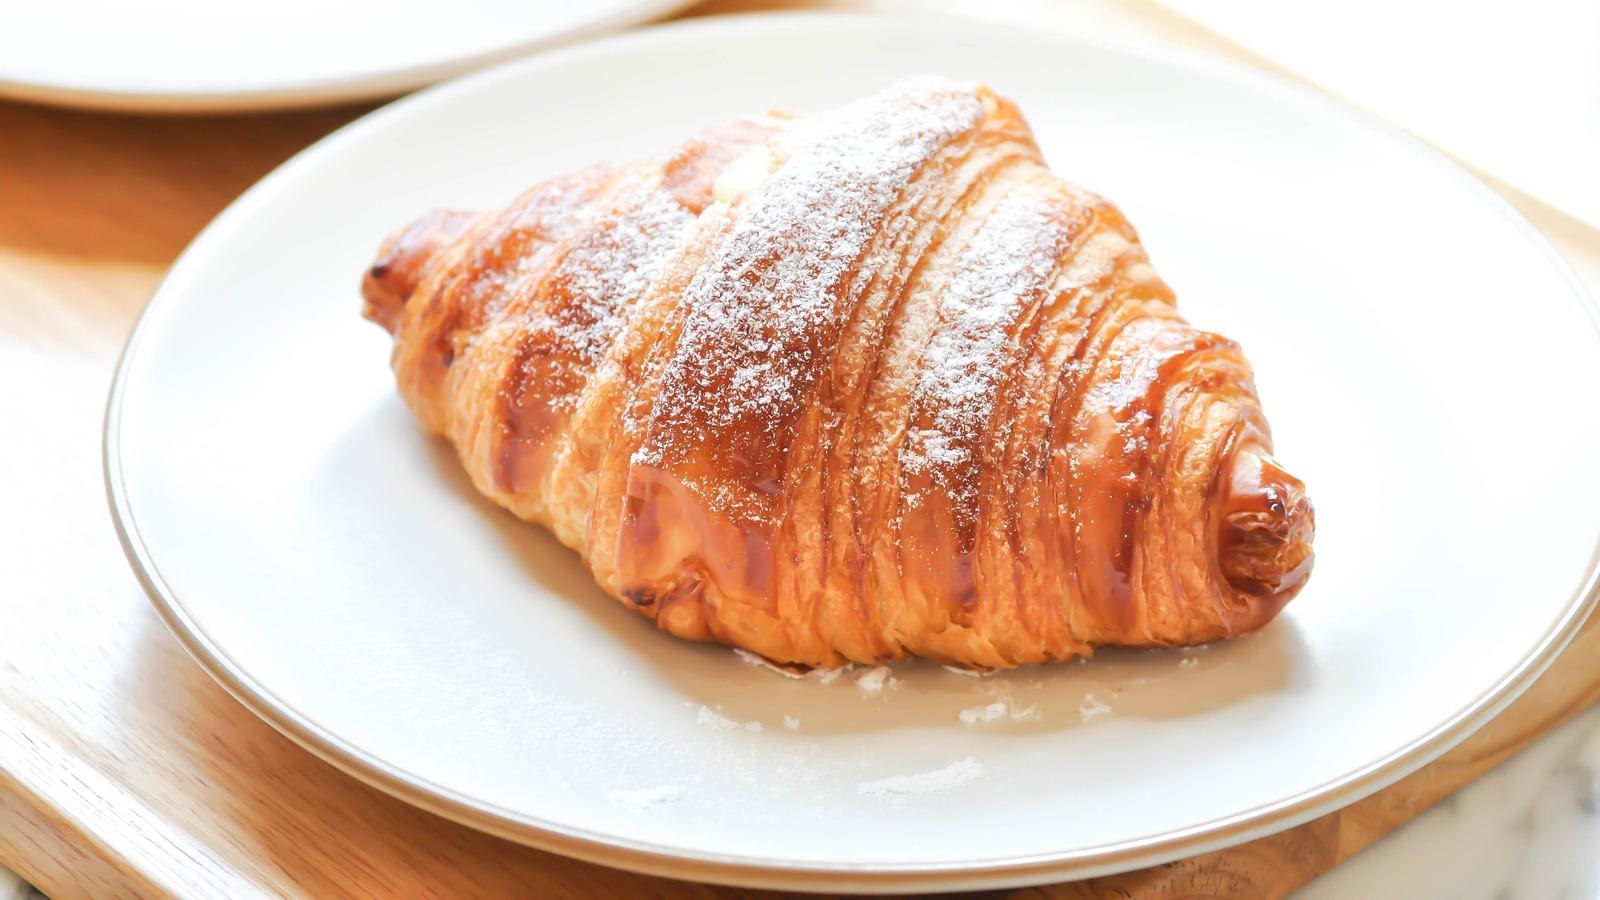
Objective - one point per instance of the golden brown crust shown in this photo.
(853, 387)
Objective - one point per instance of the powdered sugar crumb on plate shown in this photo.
(874, 680)
(997, 711)
(791, 723)
(975, 714)
(901, 788)
(1092, 708)
(642, 800)
(1188, 662)
(716, 721)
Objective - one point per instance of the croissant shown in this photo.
(852, 387)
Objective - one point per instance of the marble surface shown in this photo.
(1529, 830)
(14, 888)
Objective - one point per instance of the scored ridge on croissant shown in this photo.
(851, 387)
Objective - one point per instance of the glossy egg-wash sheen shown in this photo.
(853, 386)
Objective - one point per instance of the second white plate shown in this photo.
(206, 55)
(1424, 359)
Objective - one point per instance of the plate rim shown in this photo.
(270, 95)
(748, 871)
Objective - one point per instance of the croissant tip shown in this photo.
(403, 261)
(1267, 524)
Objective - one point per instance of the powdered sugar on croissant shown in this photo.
(853, 386)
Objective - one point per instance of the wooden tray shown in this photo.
(124, 770)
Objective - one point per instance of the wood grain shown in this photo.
(126, 771)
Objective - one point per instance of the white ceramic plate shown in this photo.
(1427, 363)
(207, 55)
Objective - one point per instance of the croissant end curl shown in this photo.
(852, 387)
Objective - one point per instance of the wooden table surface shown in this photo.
(124, 770)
